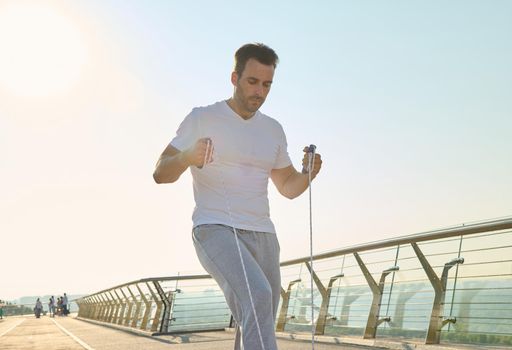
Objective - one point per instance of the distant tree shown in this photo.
(12, 309)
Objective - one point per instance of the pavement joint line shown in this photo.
(10, 329)
(74, 337)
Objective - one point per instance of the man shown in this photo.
(232, 149)
(51, 306)
(38, 308)
(65, 310)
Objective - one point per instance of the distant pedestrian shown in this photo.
(38, 308)
(65, 305)
(1, 310)
(51, 306)
(59, 306)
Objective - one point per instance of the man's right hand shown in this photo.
(173, 162)
(196, 155)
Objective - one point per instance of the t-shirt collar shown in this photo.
(238, 117)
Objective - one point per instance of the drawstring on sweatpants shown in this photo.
(311, 161)
(309, 169)
(228, 207)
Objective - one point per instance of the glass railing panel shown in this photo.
(198, 305)
(408, 300)
(377, 261)
(290, 273)
(482, 299)
(477, 298)
(326, 268)
(299, 308)
(448, 246)
(351, 296)
(487, 240)
(349, 307)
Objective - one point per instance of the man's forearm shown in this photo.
(295, 185)
(169, 168)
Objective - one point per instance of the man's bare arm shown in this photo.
(170, 166)
(173, 162)
(291, 183)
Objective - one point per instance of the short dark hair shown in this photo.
(260, 52)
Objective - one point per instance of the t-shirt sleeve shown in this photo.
(283, 158)
(187, 133)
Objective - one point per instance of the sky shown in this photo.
(408, 102)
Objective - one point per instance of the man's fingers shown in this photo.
(317, 162)
(210, 155)
(204, 148)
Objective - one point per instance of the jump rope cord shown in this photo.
(311, 163)
(228, 207)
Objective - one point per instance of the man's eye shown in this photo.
(252, 81)
(267, 85)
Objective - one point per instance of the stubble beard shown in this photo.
(252, 104)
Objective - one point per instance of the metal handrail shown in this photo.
(95, 306)
(153, 279)
(464, 229)
(496, 225)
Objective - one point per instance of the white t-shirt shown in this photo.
(232, 190)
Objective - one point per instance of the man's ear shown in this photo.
(234, 78)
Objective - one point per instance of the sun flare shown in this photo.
(42, 51)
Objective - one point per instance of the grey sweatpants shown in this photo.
(217, 251)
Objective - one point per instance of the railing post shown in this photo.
(281, 321)
(115, 306)
(135, 317)
(104, 307)
(80, 307)
(85, 303)
(147, 309)
(322, 317)
(326, 295)
(95, 307)
(439, 285)
(112, 305)
(126, 313)
(119, 309)
(323, 294)
(83, 306)
(158, 311)
(377, 290)
(167, 302)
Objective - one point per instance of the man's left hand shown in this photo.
(317, 163)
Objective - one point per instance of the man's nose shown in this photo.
(259, 90)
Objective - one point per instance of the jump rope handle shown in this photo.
(311, 150)
(207, 155)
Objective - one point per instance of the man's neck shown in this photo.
(236, 108)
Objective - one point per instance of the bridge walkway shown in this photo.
(69, 333)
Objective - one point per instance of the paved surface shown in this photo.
(36, 334)
(68, 333)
